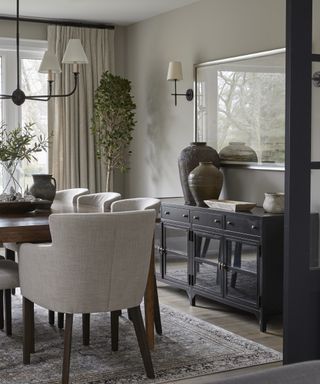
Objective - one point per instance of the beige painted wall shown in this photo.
(207, 30)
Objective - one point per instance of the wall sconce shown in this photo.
(175, 73)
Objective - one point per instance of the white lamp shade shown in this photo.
(174, 71)
(74, 53)
(49, 63)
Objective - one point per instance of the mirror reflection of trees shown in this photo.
(251, 109)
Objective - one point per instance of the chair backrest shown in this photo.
(69, 196)
(97, 262)
(101, 201)
(136, 204)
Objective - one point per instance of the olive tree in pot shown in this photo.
(113, 122)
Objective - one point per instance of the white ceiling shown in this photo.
(121, 12)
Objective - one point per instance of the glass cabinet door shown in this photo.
(175, 254)
(207, 272)
(157, 249)
(241, 266)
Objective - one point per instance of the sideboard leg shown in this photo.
(263, 322)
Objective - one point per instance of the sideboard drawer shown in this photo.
(176, 214)
(212, 220)
(243, 224)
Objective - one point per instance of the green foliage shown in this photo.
(113, 121)
(20, 144)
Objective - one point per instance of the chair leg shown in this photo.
(28, 331)
(60, 320)
(32, 345)
(51, 317)
(10, 255)
(86, 329)
(157, 317)
(67, 348)
(8, 318)
(1, 310)
(115, 330)
(136, 316)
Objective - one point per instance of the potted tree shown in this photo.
(113, 122)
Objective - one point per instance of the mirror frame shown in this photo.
(251, 165)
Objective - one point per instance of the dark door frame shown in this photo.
(301, 284)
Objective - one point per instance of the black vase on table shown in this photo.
(43, 187)
(189, 158)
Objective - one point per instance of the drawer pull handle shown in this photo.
(254, 226)
(230, 223)
(216, 221)
(185, 215)
(196, 217)
(167, 213)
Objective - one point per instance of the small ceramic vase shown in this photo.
(43, 187)
(273, 202)
(205, 183)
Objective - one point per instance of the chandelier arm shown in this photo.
(42, 97)
(48, 97)
(39, 98)
(4, 97)
(76, 81)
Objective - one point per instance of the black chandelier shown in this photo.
(74, 54)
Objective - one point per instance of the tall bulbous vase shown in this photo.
(43, 187)
(189, 158)
(205, 183)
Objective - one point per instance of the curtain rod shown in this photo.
(70, 23)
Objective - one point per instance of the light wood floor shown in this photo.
(239, 322)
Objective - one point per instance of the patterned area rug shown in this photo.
(188, 348)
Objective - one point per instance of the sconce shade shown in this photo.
(74, 53)
(49, 63)
(174, 71)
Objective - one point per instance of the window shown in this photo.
(31, 82)
(240, 103)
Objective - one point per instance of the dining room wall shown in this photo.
(206, 30)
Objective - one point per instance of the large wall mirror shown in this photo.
(239, 109)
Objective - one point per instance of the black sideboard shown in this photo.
(235, 258)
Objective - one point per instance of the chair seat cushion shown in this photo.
(9, 275)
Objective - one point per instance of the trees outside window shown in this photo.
(32, 82)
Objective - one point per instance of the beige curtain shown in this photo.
(72, 158)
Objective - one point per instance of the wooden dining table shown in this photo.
(33, 227)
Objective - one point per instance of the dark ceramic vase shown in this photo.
(43, 187)
(205, 183)
(189, 158)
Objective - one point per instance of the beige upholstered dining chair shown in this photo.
(9, 279)
(69, 196)
(100, 201)
(97, 262)
(143, 203)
